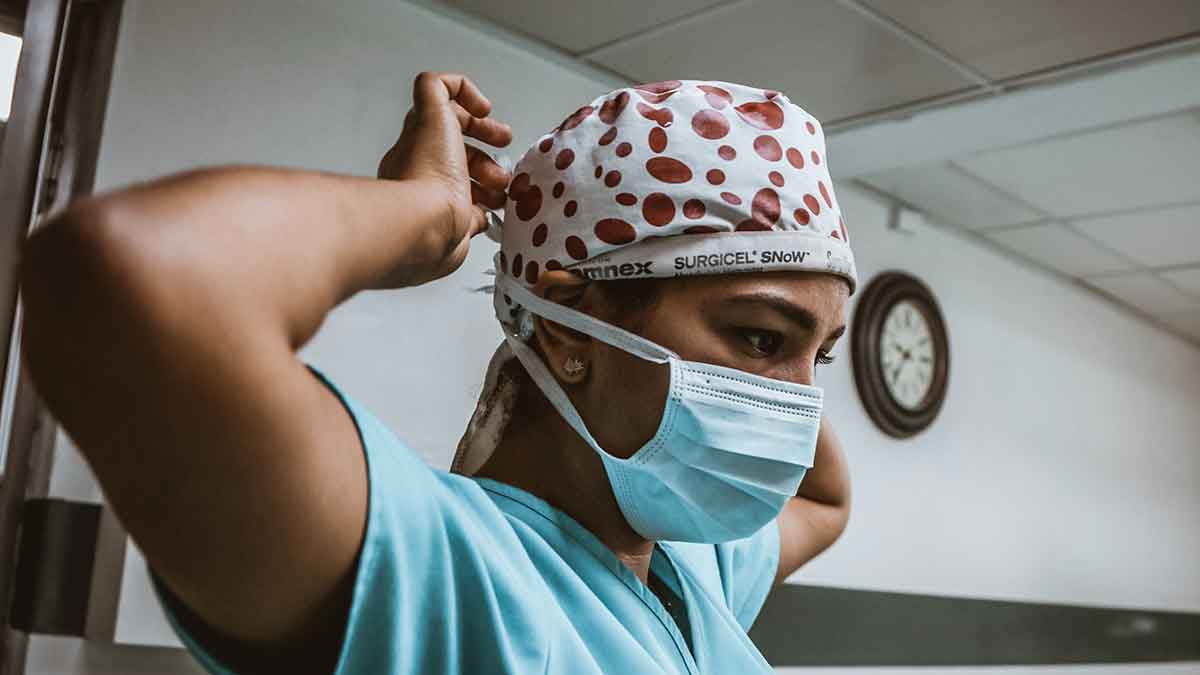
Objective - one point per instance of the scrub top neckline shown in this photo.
(589, 541)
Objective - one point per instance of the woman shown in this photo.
(673, 268)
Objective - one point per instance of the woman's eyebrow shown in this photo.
(801, 316)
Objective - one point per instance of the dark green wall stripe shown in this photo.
(803, 625)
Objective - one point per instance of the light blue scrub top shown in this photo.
(470, 575)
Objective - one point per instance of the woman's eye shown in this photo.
(765, 342)
(824, 358)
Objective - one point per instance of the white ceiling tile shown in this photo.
(951, 196)
(1153, 237)
(579, 25)
(1014, 37)
(1187, 323)
(1188, 278)
(829, 60)
(1059, 248)
(1116, 169)
(1147, 293)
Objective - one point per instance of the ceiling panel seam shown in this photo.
(921, 43)
(1066, 223)
(591, 54)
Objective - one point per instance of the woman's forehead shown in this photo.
(796, 284)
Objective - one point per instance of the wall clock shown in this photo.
(900, 354)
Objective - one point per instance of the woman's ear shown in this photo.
(567, 352)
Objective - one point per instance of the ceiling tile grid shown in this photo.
(828, 59)
(1155, 237)
(1118, 169)
(1016, 37)
(1058, 247)
(953, 196)
(1147, 292)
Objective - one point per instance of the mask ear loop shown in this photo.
(617, 337)
(584, 323)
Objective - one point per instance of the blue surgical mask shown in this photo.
(730, 450)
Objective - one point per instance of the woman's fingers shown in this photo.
(484, 170)
(486, 129)
(430, 89)
(492, 199)
(470, 106)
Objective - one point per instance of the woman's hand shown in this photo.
(431, 152)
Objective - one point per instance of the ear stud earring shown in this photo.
(574, 366)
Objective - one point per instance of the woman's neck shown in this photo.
(542, 455)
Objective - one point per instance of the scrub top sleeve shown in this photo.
(748, 568)
(403, 599)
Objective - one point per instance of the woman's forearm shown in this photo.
(828, 481)
(129, 295)
(291, 244)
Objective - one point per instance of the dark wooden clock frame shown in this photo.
(884, 291)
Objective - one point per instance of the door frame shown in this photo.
(48, 158)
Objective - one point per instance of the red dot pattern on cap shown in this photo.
(768, 148)
(503, 260)
(812, 129)
(626, 199)
(716, 96)
(726, 152)
(668, 169)
(816, 159)
(663, 116)
(528, 197)
(558, 189)
(700, 229)
(570, 207)
(731, 198)
(546, 144)
(842, 224)
(761, 115)
(752, 225)
(659, 87)
(531, 272)
(576, 248)
(576, 118)
(795, 158)
(776, 178)
(615, 231)
(624, 149)
(599, 171)
(539, 234)
(658, 139)
(812, 204)
(612, 109)
(553, 264)
(710, 124)
(612, 178)
(765, 206)
(693, 208)
(715, 176)
(608, 136)
(801, 216)
(825, 194)
(564, 158)
(518, 267)
(658, 209)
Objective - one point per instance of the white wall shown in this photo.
(1065, 466)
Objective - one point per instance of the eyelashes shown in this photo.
(766, 343)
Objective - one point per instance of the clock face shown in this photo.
(906, 354)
